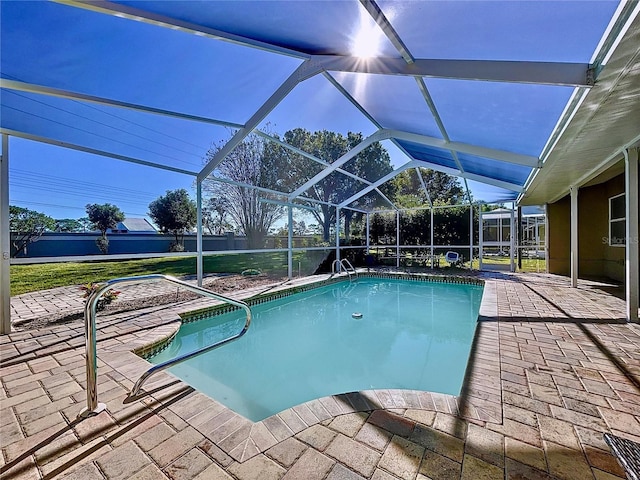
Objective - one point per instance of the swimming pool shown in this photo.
(412, 335)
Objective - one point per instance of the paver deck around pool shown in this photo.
(551, 370)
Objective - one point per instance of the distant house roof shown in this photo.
(135, 225)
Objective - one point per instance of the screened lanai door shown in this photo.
(497, 240)
(504, 247)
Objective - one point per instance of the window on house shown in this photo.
(617, 221)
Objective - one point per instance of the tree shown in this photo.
(443, 189)
(253, 162)
(174, 213)
(372, 163)
(68, 225)
(85, 224)
(27, 226)
(104, 217)
(214, 217)
(299, 229)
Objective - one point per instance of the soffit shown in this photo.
(606, 122)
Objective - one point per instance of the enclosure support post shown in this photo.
(632, 240)
(199, 264)
(397, 238)
(338, 234)
(470, 236)
(574, 236)
(480, 239)
(512, 238)
(368, 243)
(519, 239)
(5, 240)
(537, 234)
(290, 243)
(546, 239)
(431, 210)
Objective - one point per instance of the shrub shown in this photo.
(176, 247)
(251, 272)
(107, 297)
(103, 244)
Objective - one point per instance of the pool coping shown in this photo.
(242, 439)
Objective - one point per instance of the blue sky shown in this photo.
(69, 48)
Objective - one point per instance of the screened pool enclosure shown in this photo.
(479, 90)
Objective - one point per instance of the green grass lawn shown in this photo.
(29, 278)
(528, 264)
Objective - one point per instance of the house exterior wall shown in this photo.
(559, 228)
(596, 257)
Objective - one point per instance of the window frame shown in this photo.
(622, 220)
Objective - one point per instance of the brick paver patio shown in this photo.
(69, 299)
(552, 369)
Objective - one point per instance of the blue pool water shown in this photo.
(412, 335)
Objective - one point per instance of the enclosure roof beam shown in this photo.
(514, 187)
(67, 94)
(422, 86)
(303, 72)
(132, 13)
(544, 73)
(385, 134)
(501, 155)
(337, 164)
(286, 204)
(385, 198)
(94, 151)
(471, 176)
(288, 146)
(548, 73)
(424, 186)
(379, 182)
(266, 190)
(376, 13)
(309, 156)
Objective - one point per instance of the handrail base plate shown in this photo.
(86, 413)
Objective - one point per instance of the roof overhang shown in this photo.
(605, 122)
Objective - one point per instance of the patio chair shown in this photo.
(453, 258)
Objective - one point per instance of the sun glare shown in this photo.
(366, 41)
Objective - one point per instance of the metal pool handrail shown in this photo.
(93, 407)
(345, 265)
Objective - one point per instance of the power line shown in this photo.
(102, 123)
(100, 136)
(86, 105)
(102, 197)
(71, 180)
(78, 189)
(28, 175)
(138, 124)
(25, 202)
